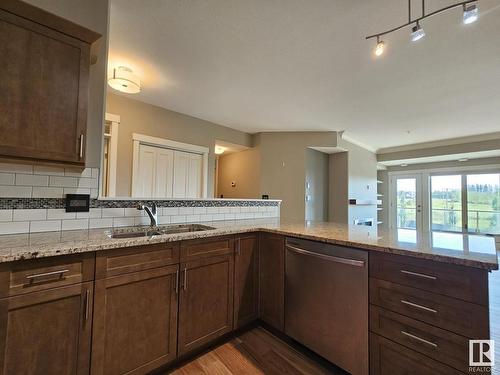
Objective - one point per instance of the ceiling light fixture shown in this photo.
(219, 150)
(124, 80)
(380, 47)
(417, 32)
(470, 14)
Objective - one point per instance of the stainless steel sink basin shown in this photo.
(156, 231)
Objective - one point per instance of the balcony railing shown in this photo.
(479, 221)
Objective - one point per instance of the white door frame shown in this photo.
(422, 191)
(114, 121)
(139, 139)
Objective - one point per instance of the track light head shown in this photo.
(471, 13)
(379, 48)
(417, 32)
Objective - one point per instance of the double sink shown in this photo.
(156, 231)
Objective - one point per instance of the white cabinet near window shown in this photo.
(187, 175)
(163, 169)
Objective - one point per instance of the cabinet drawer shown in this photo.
(138, 258)
(46, 273)
(389, 358)
(441, 345)
(206, 247)
(468, 284)
(464, 318)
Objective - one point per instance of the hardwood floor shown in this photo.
(254, 352)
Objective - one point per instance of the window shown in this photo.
(446, 203)
(483, 202)
(406, 203)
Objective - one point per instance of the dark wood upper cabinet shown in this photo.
(47, 332)
(135, 322)
(44, 77)
(206, 301)
(272, 279)
(246, 280)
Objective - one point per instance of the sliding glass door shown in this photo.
(483, 203)
(446, 203)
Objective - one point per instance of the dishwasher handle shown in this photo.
(330, 258)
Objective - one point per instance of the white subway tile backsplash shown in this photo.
(76, 191)
(14, 227)
(29, 214)
(78, 172)
(216, 217)
(141, 220)
(95, 173)
(94, 193)
(45, 226)
(31, 180)
(224, 210)
(206, 217)
(170, 211)
(48, 170)
(16, 168)
(123, 222)
(133, 212)
(47, 192)
(5, 215)
(16, 191)
(75, 224)
(212, 210)
(7, 178)
(60, 213)
(235, 210)
(94, 213)
(193, 218)
(100, 223)
(113, 212)
(229, 216)
(63, 181)
(199, 210)
(90, 183)
(164, 220)
(186, 210)
(178, 219)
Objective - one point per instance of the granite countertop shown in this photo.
(468, 250)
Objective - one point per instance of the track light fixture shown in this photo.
(470, 15)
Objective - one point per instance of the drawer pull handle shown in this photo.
(419, 339)
(177, 281)
(419, 275)
(418, 306)
(330, 258)
(184, 286)
(87, 304)
(60, 273)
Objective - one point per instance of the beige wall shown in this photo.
(93, 14)
(243, 168)
(338, 188)
(283, 166)
(317, 178)
(139, 117)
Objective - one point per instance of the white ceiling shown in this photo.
(265, 65)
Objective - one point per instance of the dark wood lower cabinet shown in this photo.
(272, 280)
(135, 322)
(47, 332)
(389, 358)
(246, 280)
(206, 301)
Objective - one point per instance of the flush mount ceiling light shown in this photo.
(124, 80)
(219, 150)
(470, 14)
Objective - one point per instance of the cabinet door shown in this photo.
(43, 81)
(164, 173)
(194, 176)
(181, 165)
(145, 180)
(135, 322)
(272, 279)
(246, 280)
(47, 332)
(206, 301)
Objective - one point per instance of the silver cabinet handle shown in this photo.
(184, 286)
(419, 275)
(37, 275)
(80, 153)
(419, 339)
(87, 304)
(350, 262)
(176, 282)
(418, 306)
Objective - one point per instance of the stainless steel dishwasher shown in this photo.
(326, 301)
